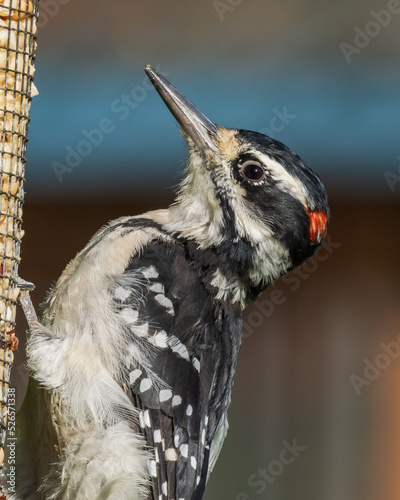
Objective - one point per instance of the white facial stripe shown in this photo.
(279, 174)
(198, 214)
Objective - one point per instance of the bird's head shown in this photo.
(245, 196)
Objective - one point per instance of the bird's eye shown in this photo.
(252, 171)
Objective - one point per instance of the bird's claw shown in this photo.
(25, 285)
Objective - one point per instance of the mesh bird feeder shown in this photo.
(18, 21)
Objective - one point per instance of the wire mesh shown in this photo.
(18, 21)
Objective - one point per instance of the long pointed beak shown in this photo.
(194, 123)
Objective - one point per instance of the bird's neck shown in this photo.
(238, 269)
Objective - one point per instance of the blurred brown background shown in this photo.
(319, 363)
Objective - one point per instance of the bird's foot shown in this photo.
(25, 300)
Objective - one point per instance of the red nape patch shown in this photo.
(318, 220)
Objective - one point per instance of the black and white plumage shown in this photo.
(140, 337)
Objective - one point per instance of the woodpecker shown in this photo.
(133, 361)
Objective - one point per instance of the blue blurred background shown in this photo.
(279, 66)
(322, 77)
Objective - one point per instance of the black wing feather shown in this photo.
(184, 389)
